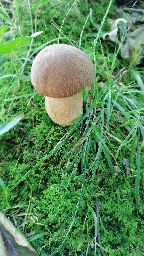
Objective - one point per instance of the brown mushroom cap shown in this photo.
(61, 70)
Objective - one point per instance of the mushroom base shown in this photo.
(64, 111)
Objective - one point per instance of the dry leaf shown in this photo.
(12, 242)
(129, 38)
(113, 34)
(2, 247)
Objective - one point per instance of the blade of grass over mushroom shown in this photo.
(88, 130)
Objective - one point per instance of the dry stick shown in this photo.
(98, 226)
(133, 10)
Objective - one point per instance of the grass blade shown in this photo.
(5, 127)
(137, 179)
(108, 107)
(3, 28)
(105, 149)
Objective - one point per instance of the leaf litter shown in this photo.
(128, 33)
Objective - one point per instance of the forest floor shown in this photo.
(76, 190)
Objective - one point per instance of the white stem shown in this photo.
(64, 111)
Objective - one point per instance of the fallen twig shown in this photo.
(133, 10)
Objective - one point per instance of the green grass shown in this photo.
(75, 190)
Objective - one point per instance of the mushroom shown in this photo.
(60, 72)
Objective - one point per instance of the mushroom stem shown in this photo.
(64, 111)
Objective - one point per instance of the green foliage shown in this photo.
(7, 48)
